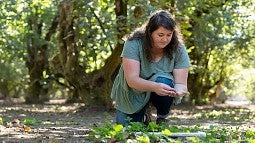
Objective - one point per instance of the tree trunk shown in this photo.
(37, 62)
(4, 91)
(95, 86)
(199, 81)
(103, 79)
(69, 54)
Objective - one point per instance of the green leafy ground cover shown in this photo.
(153, 133)
(217, 134)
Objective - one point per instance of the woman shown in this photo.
(154, 69)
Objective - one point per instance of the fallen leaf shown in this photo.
(27, 128)
(53, 141)
(9, 125)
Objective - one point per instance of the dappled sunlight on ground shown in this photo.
(58, 122)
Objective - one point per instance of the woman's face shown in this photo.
(161, 37)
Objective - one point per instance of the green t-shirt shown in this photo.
(129, 100)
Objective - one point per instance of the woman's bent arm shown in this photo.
(132, 70)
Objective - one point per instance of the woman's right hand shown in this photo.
(165, 90)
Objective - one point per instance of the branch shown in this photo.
(53, 27)
(100, 24)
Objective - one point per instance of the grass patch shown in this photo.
(32, 121)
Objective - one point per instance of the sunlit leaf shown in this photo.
(166, 132)
(118, 127)
(1, 120)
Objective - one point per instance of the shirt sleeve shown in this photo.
(131, 50)
(182, 58)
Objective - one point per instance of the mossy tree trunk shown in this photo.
(94, 86)
(4, 91)
(68, 54)
(103, 78)
(37, 61)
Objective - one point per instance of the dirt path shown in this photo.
(57, 122)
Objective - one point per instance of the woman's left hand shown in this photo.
(181, 90)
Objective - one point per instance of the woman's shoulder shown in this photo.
(132, 49)
(181, 48)
(134, 43)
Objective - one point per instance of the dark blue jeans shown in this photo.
(162, 104)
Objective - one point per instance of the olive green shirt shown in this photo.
(129, 100)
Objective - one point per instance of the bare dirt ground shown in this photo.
(57, 122)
